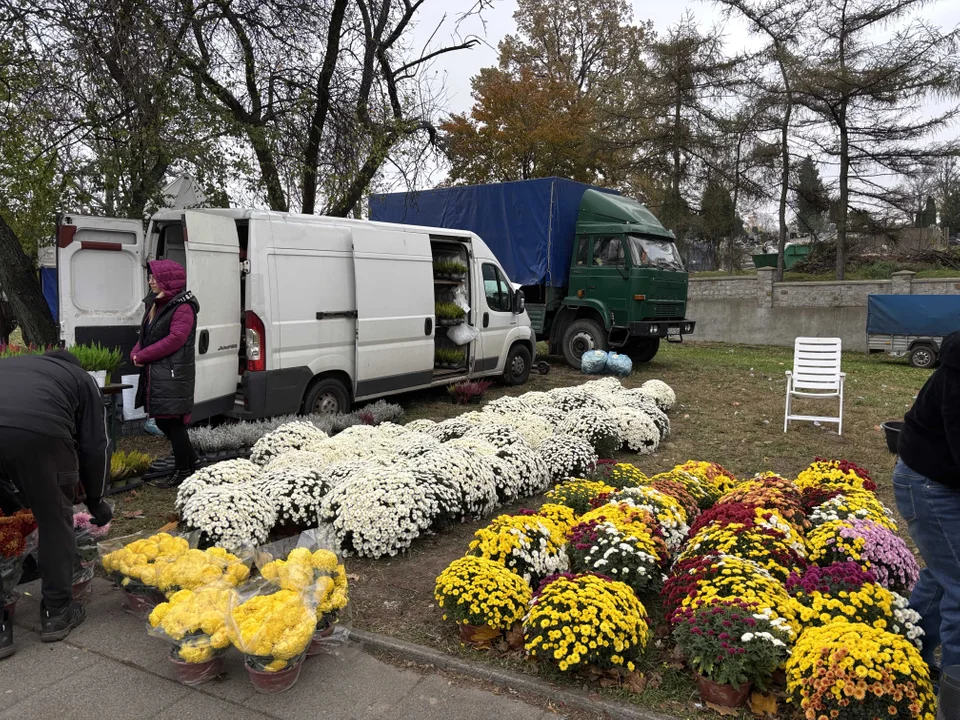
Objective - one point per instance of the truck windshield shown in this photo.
(648, 252)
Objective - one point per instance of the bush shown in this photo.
(94, 357)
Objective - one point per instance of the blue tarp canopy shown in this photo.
(529, 225)
(929, 315)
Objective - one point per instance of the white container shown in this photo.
(100, 376)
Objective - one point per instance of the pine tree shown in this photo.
(811, 198)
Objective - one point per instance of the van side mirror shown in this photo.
(519, 303)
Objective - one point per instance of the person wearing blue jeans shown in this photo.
(926, 485)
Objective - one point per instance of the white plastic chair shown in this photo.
(816, 374)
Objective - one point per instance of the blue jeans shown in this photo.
(932, 512)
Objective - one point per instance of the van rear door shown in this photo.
(393, 273)
(213, 274)
(101, 280)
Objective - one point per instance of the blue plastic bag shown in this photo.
(593, 362)
(619, 365)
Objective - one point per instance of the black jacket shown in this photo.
(167, 385)
(52, 395)
(930, 440)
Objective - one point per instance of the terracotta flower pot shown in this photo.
(193, 674)
(325, 629)
(271, 683)
(779, 678)
(140, 604)
(723, 695)
(478, 635)
(82, 589)
(10, 607)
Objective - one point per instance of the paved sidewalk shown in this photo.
(110, 668)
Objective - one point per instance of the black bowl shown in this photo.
(892, 429)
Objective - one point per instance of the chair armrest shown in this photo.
(843, 375)
(789, 373)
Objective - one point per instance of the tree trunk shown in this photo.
(844, 197)
(19, 282)
(268, 169)
(784, 190)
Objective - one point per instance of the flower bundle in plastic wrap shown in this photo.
(195, 623)
(18, 538)
(309, 563)
(85, 561)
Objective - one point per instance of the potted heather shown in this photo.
(449, 270)
(449, 314)
(732, 645)
(448, 357)
(468, 391)
(99, 361)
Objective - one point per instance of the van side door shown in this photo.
(212, 250)
(496, 319)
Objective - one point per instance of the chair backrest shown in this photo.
(816, 364)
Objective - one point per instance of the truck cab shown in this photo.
(627, 287)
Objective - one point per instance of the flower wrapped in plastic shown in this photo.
(597, 427)
(731, 642)
(18, 538)
(640, 434)
(296, 492)
(228, 472)
(85, 560)
(561, 626)
(705, 492)
(845, 592)
(195, 622)
(873, 546)
(577, 493)
(292, 436)
(661, 393)
(479, 591)
(272, 628)
(132, 561)
(852, 670)
(230, 515)
(711, 473)
(195, 569)
(567, 456)
(529, 545)
(601, 547)
(835, 472)
(379, 511)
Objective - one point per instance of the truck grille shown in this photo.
(667, 310)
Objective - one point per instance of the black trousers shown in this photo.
(176, 433)
(45, 471)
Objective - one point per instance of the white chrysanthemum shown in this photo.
(604, 385)
(567, 456)
(569, 399)
(228, 472)
(662, 393)
(292, 436)
(500, 436)
(338, 472)
(640, 434)
(597, 427)
(298, 458)
(296, 492)
(378, 511)
(420, 425)
(535, 398)
(230, 515)
(906, 620)
(531, 427)
(507, 474)
(506, 404)
(669, 514)
(418, 445)
(449, 429)
(549, 414)
(469, 470)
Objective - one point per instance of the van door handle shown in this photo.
(486, 319)
(428, 326)
(204, 341)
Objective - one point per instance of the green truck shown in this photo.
(598, 270)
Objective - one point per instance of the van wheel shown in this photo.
(923, 356)
(642, 350)
(326, 397)
(519, 364)
(581, 336)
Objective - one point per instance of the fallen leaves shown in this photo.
(723, 710)
(763, 705)
(133, 515)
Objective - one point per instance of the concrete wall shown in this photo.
(757, 311)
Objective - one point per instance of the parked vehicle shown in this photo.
(598, 270)
(299, 312)
(911, 325)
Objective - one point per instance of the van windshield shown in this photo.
(650, 252)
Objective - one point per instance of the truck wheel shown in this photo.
(923, 356)
(582, 335)
(642, 350)
(518, 366)
(326, 397)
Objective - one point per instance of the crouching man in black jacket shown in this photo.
(53, 435)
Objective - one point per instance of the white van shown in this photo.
(298, 313)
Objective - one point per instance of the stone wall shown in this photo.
(758, 311)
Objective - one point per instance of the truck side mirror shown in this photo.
(519, 303)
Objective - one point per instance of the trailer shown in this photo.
(911, 325)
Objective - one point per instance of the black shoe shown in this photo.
(56, 626)
(6, 636)
(172, 481)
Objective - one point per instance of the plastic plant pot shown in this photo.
(948, 700)
(141, 604)
(82, 590)
(10, 606)
(325, 629)
(723, 695)
(272, 683)
(193, 674)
